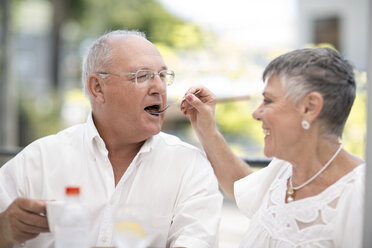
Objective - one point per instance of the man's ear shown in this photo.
(95, 86)
(312, 106)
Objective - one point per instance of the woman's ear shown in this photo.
(313, 105)
(95, 86)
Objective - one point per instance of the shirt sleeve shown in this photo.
(250, 191)
(10, 181)
(348, 228)
(17, 173)
(197, 214)
(4, 195)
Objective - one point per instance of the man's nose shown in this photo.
(157, 84)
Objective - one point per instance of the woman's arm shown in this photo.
(226, 165)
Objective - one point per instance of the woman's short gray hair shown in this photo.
(99, 56)
(321, 70)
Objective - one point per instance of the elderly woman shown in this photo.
(311, 194)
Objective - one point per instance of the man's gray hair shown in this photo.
(321, 70)
(99, 56)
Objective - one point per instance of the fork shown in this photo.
(173, 103)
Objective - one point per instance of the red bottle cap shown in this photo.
(72, 190)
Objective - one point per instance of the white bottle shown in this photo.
(72, 227)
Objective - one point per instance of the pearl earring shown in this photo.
(305, 125)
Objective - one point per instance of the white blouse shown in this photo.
(332, 218)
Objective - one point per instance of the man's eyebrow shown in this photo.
(164, 67)
(141, 68)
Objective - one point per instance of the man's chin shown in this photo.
(153, 132)
(157, 131)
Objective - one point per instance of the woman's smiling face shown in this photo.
(281, 120)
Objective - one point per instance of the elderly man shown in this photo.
(119, 158)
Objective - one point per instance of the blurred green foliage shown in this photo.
(236, 123)
(37, 118)
(355, 132)
(96, 17)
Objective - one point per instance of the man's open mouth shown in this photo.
(153, 109)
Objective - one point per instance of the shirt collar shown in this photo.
(148, 145)
(96, 143)
(94, 140)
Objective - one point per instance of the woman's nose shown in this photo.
(257, 113)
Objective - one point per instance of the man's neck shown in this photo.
(121, 157)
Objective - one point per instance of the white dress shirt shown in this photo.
(333, 218)
(170, 183)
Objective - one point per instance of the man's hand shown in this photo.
(24, 219)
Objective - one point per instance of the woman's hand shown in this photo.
(200, 108)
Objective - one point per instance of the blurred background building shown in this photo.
(342, 23)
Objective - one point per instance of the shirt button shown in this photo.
(104, 238)
(112, 201)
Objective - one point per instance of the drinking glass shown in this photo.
(131, 228)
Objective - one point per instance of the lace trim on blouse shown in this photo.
(305, 219)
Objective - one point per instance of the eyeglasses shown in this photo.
(140, 77)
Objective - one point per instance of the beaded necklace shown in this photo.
(291, 189)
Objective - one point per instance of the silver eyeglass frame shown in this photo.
(149, 76)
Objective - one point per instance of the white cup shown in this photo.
(54, 210)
